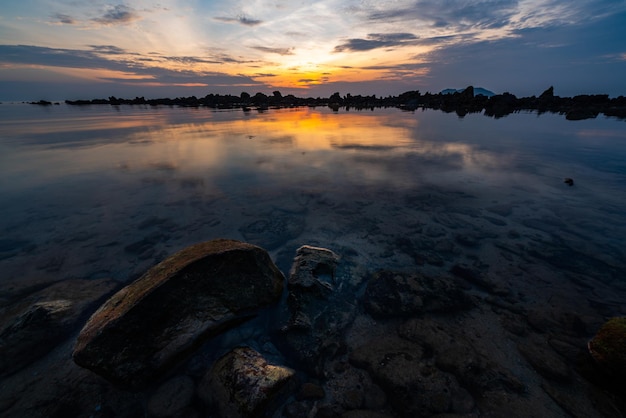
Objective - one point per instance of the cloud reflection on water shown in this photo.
(278, 146)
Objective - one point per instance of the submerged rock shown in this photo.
(545, 360)
(608, 347)
(38, 322)
(243, 384)
(172, 397)
(414, 386)
(400, 294)
(319, 310)
(152, 323)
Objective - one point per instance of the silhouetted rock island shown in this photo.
(462, 102)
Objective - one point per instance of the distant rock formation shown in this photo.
(154, 322)
(462, 102)
(477, 91)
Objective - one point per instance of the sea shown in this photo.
(534, 202)
(106, 191)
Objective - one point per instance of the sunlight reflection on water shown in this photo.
(103, 171)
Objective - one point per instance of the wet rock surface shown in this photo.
(243, 384)
(352, 343)
(158, 319)
(399, 294)
(34, 325)
(319, 310)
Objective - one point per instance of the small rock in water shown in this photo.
(243, 384)
(568, 181)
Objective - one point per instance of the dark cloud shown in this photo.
(377, 40)
(63, 18)
(482, 14)
(265, 75)
(119, 14)
(94, 58)
(240, 19)
(108, 49)
(193, 60)
(530, 62)
(227, 58)
(279, 51)
(56, 57)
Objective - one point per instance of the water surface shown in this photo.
(107, 192)
(103, 191)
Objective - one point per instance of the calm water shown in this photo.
(100, 191)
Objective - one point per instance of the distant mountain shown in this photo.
(477, 91)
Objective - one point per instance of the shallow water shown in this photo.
(107, 192)
(102, 191)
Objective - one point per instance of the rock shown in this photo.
(277, 228)
(579, 406)
(568, 181)
(353, 388)
(313, 267)
(198, 292)
(35, 324)
(320, 309)
(172, 397)
(310, 391)
(362, 413)
(414, 387)
(243, 384)
(401, 294)
(544, 360)
(549, 319)
(473, 276)
(608, 347)
(454, 353)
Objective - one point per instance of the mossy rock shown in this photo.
(608, 347)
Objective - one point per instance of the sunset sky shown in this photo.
(67, 49)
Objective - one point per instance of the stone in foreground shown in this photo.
(243, 384)
(151, 324)
(33, 325)
(608, 347)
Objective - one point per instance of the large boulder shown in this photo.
(35, 323)
(151, 324)
(243, 384)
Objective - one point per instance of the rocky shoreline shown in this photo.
(204, 334)
(462, 103)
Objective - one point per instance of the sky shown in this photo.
(66, 49)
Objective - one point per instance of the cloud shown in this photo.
(63, 19)
(55, 57)
(578, 59)
(483, 14)
(95, 59)
(119, 14)
(376, 40)
(193, 60)
(108, 49)
(240, 19)
(279, 51)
